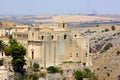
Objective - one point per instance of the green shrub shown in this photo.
(68, 62)
(79, 75)
(43, 74)
(113, 28)
(53, 69)
(36, 67)
(106, 30)
(84, 64)
(35, 76)
(78, 62)
(106, 47)
(97, 25)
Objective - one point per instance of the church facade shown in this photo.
(52, 45)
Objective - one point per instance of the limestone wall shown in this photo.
(54, 45)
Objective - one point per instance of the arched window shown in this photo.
(86, 54)
(42, 37)
(65, 36)
(32, 51)
(2, 53)
(63, 25)
(52, 37)
(77, 55)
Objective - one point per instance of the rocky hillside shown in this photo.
(7, 24)
(107, 65)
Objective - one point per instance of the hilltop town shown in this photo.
(66, 43)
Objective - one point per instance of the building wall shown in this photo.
(53, 45)
(3, 74)
(2, 32)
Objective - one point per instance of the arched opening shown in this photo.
(63, 25)
(52, 37)
(42, 37)
(32, 51)
(2, 53)
(77, 55)
(65, 36)
(86, 54)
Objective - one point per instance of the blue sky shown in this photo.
(45, 7)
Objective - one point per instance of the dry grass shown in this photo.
(74, 18)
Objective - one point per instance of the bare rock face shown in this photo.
(110, 40)
(107, 65)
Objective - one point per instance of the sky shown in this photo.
(46, 7)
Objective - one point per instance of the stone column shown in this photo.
(45, 53)
(55, 53)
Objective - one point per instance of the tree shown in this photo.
(113, 28)
(36, 67)
(78, 75)
(12, 41)
(17, 52)
(106, 30)
(88, 73)
(106, 47)
(2, 46)
(7, 51)
(97, 25)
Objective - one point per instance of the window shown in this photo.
(52, 37)
(32, 51)
(77, 55)
(65, 36)
(63, 25)
(42, 37)
(75, 35)
(86, 54)
(2, 53)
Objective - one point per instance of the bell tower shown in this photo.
(63, 23)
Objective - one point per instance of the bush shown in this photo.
(79, 75)
(43, 74)
(108, 74)
(97, 25)
(102, 51)
(68, 62)
(118, 53)
(36, 67)
(106, 30)
(35, 76)
(84, 64)
(53, 69)
(78, 62)
(112, 28)
(107, 46)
